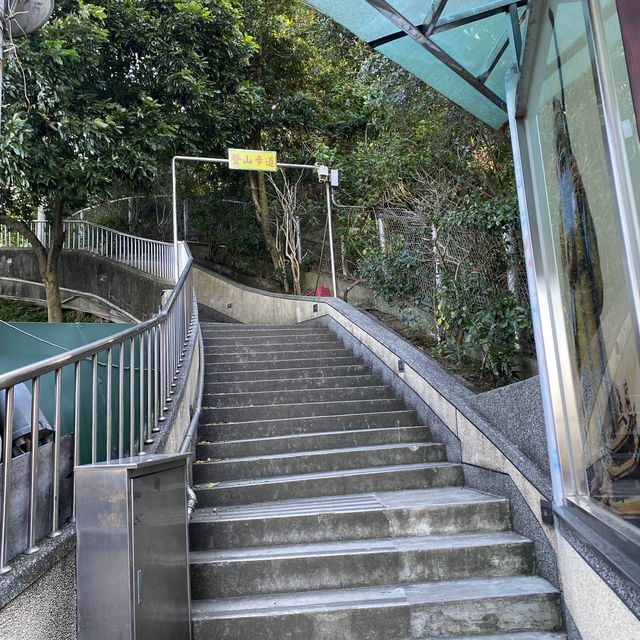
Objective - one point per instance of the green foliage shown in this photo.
(391, 273)
(103, 96)
(16, 311)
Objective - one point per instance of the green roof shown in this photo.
(461, 48)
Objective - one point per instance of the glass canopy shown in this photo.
(461, 48)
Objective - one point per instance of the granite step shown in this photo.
(225, 573)
(217, 350)
(294, 363)
(330, 483)
(435, 609)
(254, 397)
(210, 429)
(301, 355)
(299, 372)
(292, 384)
(299, 462)
(311, 442)
(300, 410)
(349, 517)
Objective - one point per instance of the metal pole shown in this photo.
(329, 224)
(94, 410)
(6, 481)
(57, 436)
(33, 488)
(76, 426)
(109, 402)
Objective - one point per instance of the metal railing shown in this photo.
(118, 388)
(150, 256)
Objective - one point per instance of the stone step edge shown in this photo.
(516, 635)
(315, 434)
(465, 540)
(453, 496)
(300, 477)
(323, 452)
(371, 387)
(441, 592)
(335, 415)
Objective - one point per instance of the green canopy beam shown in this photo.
(413, 32)
(462, 48)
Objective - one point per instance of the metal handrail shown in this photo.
(145, 360)
(151, 256)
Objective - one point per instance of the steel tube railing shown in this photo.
(146, 378)
(57, 425)
(152, 256)
(7, 445)
(32, 547)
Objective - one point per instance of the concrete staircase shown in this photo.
(326, 512)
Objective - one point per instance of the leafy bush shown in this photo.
(391, 273)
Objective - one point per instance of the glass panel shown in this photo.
(410, 55)
(575, 190)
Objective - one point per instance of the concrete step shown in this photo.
(253, 398)
(349, 517)
(227, 573)
(516, 635)
(291, 384)
(435, 609)
(272, 355)
(317, 461)
(234, 331)
(270, 364)
(210, 429)
(311, 442)
(222, 340)
(330, 483)
(300, 372)
(215, 351)
(299, 410)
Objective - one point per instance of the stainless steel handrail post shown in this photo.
(149, 439)
(57, 437)
(7, 446)
(121, 401)
(94, 409)
(109, 407)
(132, 396)
(33, 486)
(141, 395)
(77, 372)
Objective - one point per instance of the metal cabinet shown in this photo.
(132, 549)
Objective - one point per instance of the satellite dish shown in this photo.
(22, 17)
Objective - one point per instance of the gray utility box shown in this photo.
(132, 549)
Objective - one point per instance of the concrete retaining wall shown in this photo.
(109, 285)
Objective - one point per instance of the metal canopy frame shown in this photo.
(436, 24)
(322, 175)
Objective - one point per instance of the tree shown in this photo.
(102, 97)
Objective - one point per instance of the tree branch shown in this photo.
(23, 229)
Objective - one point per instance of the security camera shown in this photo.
(323, 172)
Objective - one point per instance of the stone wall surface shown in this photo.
(130, 290)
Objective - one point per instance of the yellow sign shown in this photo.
(252, 160)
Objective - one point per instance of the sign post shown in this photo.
(252, 160)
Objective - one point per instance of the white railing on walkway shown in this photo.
(129, 379)
(150, 256)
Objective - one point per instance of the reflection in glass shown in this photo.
(604, 359)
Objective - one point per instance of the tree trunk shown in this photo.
(261, 205)
(52, 291)
(48, 257)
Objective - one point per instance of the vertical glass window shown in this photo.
(577, 204)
